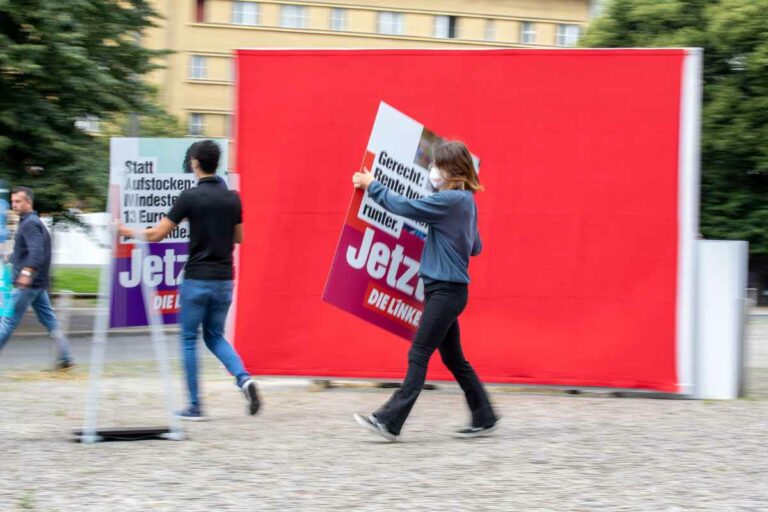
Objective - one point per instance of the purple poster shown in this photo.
(146, 176)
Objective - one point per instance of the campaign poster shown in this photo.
(5, 270)
(375, 271)
(146, 177)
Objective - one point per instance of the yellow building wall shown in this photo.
(218, 37)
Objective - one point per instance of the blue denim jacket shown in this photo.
(452, 237)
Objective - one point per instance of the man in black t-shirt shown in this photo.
(215, 223)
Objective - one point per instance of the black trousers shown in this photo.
(439, 329)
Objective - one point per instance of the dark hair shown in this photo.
(26, 191)
(454, 160)
(207, 154)
(186, 166)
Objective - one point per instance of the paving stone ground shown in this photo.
(303, 452)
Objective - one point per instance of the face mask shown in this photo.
(435, 178)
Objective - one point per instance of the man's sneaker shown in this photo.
(192, 413)
(64, 365)
(374, 425)
(251, 393)
(470, 432)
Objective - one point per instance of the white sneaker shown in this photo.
(470, 432)
(374, 425)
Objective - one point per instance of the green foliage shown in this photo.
(61, 61)
(93, 164)
(734, 35)
(76, 279)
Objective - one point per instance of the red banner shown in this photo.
(578, 281)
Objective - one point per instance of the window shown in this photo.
(197, 67)
(390, 23)
(245, 13)
(338, 19)
(200, 11)
(196, 124)
(445, 27)
(596, 8)
(490, 30)
(528, 32)
(567, 35)
(293, 16)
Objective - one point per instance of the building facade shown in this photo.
(197, 81)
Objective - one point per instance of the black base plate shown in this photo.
(126, 434)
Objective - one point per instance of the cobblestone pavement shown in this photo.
(304, 452)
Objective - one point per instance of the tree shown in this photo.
(93, 165)
(734, 35)
(62, 61)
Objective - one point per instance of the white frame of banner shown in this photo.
(89, 433)
(712, 275)
(688, 218)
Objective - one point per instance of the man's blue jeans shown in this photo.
(22, 298)
(206, 303)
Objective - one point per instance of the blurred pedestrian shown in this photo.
(452, 238)
(31, 263)
(215, 223)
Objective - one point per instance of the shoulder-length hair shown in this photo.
(455, 162)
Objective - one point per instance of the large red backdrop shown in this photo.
(579, 156)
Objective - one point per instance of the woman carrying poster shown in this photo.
(451, 215)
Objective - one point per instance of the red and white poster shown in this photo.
(589, 217)
(375, 273)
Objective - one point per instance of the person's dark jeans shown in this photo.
(439, 329)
